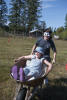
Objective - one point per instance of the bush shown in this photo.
(2, 33)
(63, 35)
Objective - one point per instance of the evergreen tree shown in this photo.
(33, 13)
(3, 13)
(15, 13)
(24, 15)
(43, 26)
(66, 21)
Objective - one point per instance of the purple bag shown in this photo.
(17, 73)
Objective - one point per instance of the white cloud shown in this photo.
(47, 0)
(47, 6)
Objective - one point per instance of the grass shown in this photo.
(11, 48)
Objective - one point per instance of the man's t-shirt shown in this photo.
(46, 45)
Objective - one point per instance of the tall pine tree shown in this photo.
(3, 13)
(15, 13)
(66, 21)
(33, 13)
(24, 14)
(30, 14)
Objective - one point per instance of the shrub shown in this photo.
(63, 35)
(2, 33)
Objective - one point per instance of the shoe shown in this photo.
(45, 81)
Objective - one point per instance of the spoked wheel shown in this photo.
(22, 94)
(34, 94)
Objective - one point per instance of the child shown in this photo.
(34, 70)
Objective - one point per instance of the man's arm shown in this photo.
(54, 57)
(34, 47)
(54, 50)
(49, 66)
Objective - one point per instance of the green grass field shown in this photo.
(11, 48)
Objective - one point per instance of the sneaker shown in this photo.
(45, 81)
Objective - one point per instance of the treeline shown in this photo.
(23, 16)
(62, 31)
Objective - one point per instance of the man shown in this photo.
(46, 43)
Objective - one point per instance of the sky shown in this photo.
(53, 12)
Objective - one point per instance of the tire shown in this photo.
(22, 93)
(35, 94)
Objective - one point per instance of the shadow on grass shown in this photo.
(56, 90)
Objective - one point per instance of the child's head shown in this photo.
(39, 52)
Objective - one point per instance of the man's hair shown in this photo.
(48, 30)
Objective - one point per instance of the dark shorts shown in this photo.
(48, 59)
